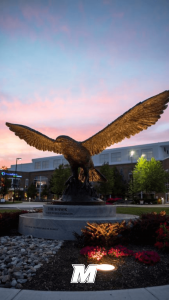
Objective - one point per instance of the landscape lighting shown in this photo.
(105, 267)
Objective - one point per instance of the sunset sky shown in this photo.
(70, 67)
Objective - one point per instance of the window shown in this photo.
(116, 156)
(15, 182)
(147, 153)
(57, 163)
(40, 181)
(37, 165)
(135, 155)
(26, 183)
(45, 164)
(104, 158)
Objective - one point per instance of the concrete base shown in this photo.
(74, 211)
(60, 222)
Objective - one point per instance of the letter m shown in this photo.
(83, 276)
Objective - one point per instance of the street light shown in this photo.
(131, 155)
(18, 158)
(143, 155)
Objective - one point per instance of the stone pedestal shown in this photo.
(59, 222)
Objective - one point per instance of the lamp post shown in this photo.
(18, 158)
(131, 155)
(143, 155)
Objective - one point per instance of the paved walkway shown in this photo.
(31, 205)
(23, 205)
(149, 293)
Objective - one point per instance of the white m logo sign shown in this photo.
(84, 276)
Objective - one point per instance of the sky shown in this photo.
(70, 67)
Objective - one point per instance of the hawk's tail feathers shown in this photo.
(95, 175)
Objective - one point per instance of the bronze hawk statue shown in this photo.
(78, 154)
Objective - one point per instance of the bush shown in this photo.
(105, 234)
(143, 230)
(163, 237)
(138, 231)
(9, 221)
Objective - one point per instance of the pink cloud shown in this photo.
(81, 7)
(79, 118)
(65, 28)
(11, 22)
(107, 1)
(118, 15)
(36, 13)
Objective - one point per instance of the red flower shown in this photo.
(120, 250)
(163, 236)
(159, 245)
(167, 244)
(93, 252)
(147, 257)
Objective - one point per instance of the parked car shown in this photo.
(113, 200)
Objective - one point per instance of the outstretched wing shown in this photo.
(138, 118)
(35, 138)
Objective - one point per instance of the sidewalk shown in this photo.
(23, 205)
(149, 293)
(40, 205)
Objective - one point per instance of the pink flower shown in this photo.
(159, 245)
(167, 244)
(120, 250)
(94, 252)
(162, 236)
(148, 257)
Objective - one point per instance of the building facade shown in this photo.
(39, 171)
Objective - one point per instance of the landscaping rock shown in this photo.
(13, 283)
(5, 278)
(22, 280)
(21, 257)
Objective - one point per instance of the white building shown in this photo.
(40, 170)
(116, 156)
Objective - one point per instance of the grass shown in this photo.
(140, 210)
(120, 210)
(7, 210)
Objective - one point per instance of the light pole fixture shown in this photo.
(131, 155)
(143, 155)
(18, 158)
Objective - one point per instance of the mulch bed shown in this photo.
(129, 273)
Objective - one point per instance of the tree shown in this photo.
(58, 179)
(120, 186)
(45, 192)
(32, 191)
(149, 176)
(105, 188)
(5, 184)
